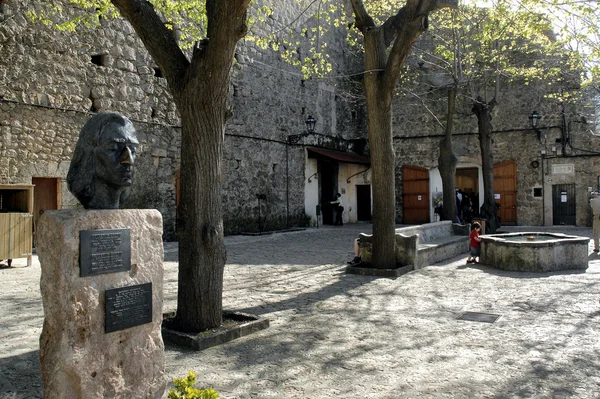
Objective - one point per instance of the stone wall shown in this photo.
(50, 82)
(418, 130)
(38, 142)
(44, 73)
(582, 151)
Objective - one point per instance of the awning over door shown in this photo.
(338, 156)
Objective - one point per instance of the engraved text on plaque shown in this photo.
(127, 307)
(104, 251)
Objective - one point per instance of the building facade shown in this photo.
(51, 82)
(276, 174)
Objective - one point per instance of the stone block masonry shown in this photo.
(106, 68)
(79, 356)
(43, 72)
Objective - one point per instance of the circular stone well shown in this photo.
(534, 251)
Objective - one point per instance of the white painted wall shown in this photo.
(352, 172)
(435, 185)
(346, 189)
(311, 190)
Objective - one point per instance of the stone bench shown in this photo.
(424, 244)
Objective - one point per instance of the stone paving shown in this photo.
(334, 335)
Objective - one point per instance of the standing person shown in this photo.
(595, 203)
(474, 243)
(339, 210)
(466, 208)
(458, 205)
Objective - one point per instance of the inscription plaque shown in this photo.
(127, 307)
(104, 251)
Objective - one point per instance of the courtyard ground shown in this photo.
(334, 335)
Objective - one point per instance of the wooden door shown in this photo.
(46, 196)
(415, 194)
(505, 190)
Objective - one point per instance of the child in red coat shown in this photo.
(474, 243)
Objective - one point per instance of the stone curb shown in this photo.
(370, 271)
(201, 341)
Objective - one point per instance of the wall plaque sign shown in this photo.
(566, 169)
(127, 307)
(104, 251)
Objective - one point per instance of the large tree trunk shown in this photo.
(202, 253)
(382, 69)
(203, 108)
(200, 88)
(383, 178)
(447, 163)
(379, 113)
(489, 209)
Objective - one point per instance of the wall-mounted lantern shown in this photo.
(534, 118)
(310, 124)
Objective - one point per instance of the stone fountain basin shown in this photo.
(534, 251)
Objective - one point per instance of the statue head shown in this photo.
(102, 167)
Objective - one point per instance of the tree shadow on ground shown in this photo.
(542, 347)
(20, 376)
(305, 300)
(426, 356)
(558, 369)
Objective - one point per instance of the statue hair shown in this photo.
(81, 178)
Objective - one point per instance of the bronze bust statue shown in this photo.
(102, 167)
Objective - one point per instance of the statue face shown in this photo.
(115, 155)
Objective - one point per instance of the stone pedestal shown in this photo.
(78, 358)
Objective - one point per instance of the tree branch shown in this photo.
(157, 39)
(410, 22)
(226, 24)
(393, 25)
(424, 105)
(363, 19)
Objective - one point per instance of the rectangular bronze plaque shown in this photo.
(104, 251)
(127, 307)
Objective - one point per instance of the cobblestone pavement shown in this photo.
(334, 335)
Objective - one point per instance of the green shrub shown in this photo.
(184, 389)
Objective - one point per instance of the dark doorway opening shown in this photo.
(328, 187)
(563, 204)
(363, 202)
(467, 181)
